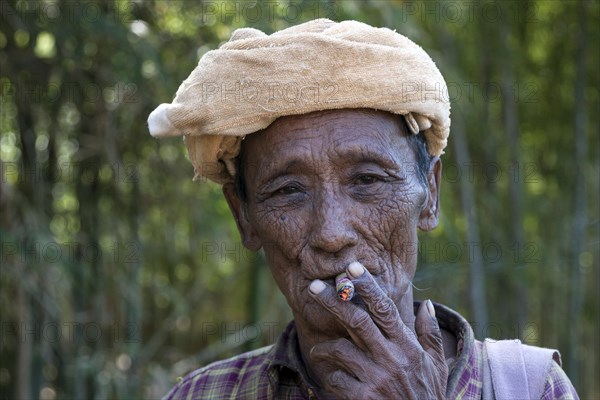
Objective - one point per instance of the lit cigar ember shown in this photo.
(344, 287)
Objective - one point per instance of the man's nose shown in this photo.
(332, 229)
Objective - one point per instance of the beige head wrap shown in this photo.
(255, 78)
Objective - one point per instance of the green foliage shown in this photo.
(119, 273)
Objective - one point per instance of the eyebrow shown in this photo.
(275, 172)
(358, 154)
(373, 154)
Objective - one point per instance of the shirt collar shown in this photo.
(287, 366)
(465, 366)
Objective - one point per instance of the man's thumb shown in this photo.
(428, 331)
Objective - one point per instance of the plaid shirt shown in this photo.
(277, 371)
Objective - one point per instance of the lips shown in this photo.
(326, 269)
(356, 299)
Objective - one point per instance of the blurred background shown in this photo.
(119, 274)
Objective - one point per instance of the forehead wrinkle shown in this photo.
(380, 148)
(387, 135)
(267, 153)
(307, 128)
(325, 124)
(362, 152)
(369, 137)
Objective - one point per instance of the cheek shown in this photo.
(282, 230)
(391, 234)
(393, 222)
(294, 285)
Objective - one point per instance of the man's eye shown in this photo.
(367, 179)
(287, 190)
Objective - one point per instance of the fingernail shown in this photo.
(316, 286)
(430, 308)
(356, 269)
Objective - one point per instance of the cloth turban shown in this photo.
(255, 78)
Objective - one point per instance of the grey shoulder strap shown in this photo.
(512, 370)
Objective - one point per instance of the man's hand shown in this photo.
(384, 358)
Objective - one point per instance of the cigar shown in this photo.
(344, 287)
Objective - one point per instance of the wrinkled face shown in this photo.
(328, 188)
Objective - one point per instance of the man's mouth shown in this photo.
(356, 299)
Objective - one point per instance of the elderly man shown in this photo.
(326, 138)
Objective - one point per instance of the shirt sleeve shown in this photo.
(558, 386)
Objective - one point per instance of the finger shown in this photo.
(344, 385)
(343, 354)
(358, 322)
(428, 331)
(382, 308)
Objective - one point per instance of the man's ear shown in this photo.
(428, 219)
(250, 239)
